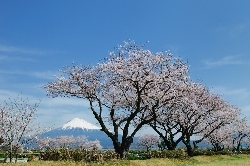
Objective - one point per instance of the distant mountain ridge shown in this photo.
(79, 127)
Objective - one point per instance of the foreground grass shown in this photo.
(219, 160)
(222, 160)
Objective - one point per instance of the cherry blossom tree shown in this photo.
(196, 112)
(70, 142)
(93, 145)
(17, 118)
(231, 135)
(166, 123)
(208, 113)
(168, 130)
(202, 113)
(148, 141)
(221, 138)
(241, 130)
(123, 88)
(46, 143)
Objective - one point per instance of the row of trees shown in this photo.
(130, 89)
(198, 113)
(134, 87)
(230, 136)
(69, 142)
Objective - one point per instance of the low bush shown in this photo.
(109, 155)
(210, 152)
(2, 155)
(180, 154)
(135, 156)
(78, 155)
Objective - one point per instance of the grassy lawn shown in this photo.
(223, 160)
(220, 160)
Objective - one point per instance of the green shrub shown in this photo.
(2, 155)
(180, 154)
(134, 156)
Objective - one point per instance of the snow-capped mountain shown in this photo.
(80, 123)
(79, 127)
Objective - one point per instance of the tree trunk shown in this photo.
(121, 149)
(238, 146)
(16, 157)
(168, 140)
(195, 145)
(170, 145)
(187, 142)
(190, 151)
(10, 157)
(239, 142)
(217, 147)
(6, 157)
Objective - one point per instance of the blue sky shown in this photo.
(37, 38)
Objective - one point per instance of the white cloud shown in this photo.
(38, 74)
(5, 48)
(5, 94)
(227, 60)
(3, 57)
(238, 29)
(59, 101)
(23, 50)
(235, 30)
(239, 94)
(46, 102)
(44, 74)
(13, 58)
(12, 72)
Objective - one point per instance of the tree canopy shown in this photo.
(132, 84)
(134, 87)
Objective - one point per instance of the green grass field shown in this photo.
(219, 160)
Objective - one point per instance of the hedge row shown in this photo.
(91, 155)
(210, 152)
(78, 155)
(180, 153)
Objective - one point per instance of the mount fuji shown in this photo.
(79, 127)
(80, 123)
